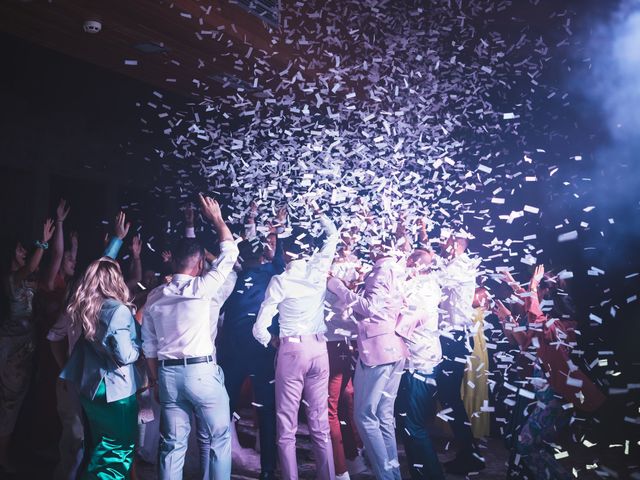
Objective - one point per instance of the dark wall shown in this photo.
(71, 130)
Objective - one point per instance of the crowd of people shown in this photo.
(370, 332)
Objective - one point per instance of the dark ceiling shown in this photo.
(186, 46)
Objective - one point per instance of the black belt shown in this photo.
(185, 361)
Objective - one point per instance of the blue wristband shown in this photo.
(42, 245)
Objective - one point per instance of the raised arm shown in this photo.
(135, 267)
(277, 228)
(34, 261)
(57, 246)
(250, 230)
(214, 279)
(121, 229)
(272, 298)
(423, 234)
(515, 286)
(73, 251)
(321, 261)
(531, 302)
(403, 240)
(510, 327)
(189, 222)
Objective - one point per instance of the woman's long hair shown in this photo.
(102, 280)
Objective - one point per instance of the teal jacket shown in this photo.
(109, 357)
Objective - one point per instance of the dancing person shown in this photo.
(341, 328)
(381, 358)
(17, 334)
(459, 283)
(302, 364)
(556, 380)
(102, 367)
(241, 355)
(49, 303)
(416, 402)
(180, 353)
(62, 338)
(475, 384)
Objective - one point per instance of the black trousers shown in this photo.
(449, 379)
(239, 364)
(415, 408)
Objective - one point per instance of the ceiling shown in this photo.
(187, 46)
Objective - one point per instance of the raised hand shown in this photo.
(281, 216)
(189, 216)
(501, 311)
(515, 286)
(210, 209)
(121, 227)
(538, 273)
(74, 244)
(62, 211)
(509, 278)
(166, 256)
(136, 246)
(253, 209)
(48, 229)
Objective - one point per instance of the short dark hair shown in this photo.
(300, 243)
(251, 250)
(185, 250)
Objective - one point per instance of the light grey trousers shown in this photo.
(193, 389)
(375, 390)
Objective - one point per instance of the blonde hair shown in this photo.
(103, 280)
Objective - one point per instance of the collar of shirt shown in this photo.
(297, 267)
(180, 277)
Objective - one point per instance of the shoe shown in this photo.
(462, 465)
(357, 466)
(343, 476)
(267, 476)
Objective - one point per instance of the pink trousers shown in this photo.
(302, 373)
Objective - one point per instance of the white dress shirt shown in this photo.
(176, 322)
(298, 293)
(458, 280)
(422, 297)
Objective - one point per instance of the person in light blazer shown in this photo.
(101, 366)
(381, 357)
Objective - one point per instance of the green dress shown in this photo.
(113, 429)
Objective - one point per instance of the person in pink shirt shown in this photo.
(381, 360)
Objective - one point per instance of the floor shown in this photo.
(492, 449)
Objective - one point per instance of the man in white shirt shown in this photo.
(179, 347)
(302, 364)
(415, 404)
(458, 279)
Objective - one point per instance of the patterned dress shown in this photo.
(17, 348)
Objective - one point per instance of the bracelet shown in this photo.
(42, 245)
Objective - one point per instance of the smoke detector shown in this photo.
(92, 26)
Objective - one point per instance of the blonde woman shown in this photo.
(102, 368)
